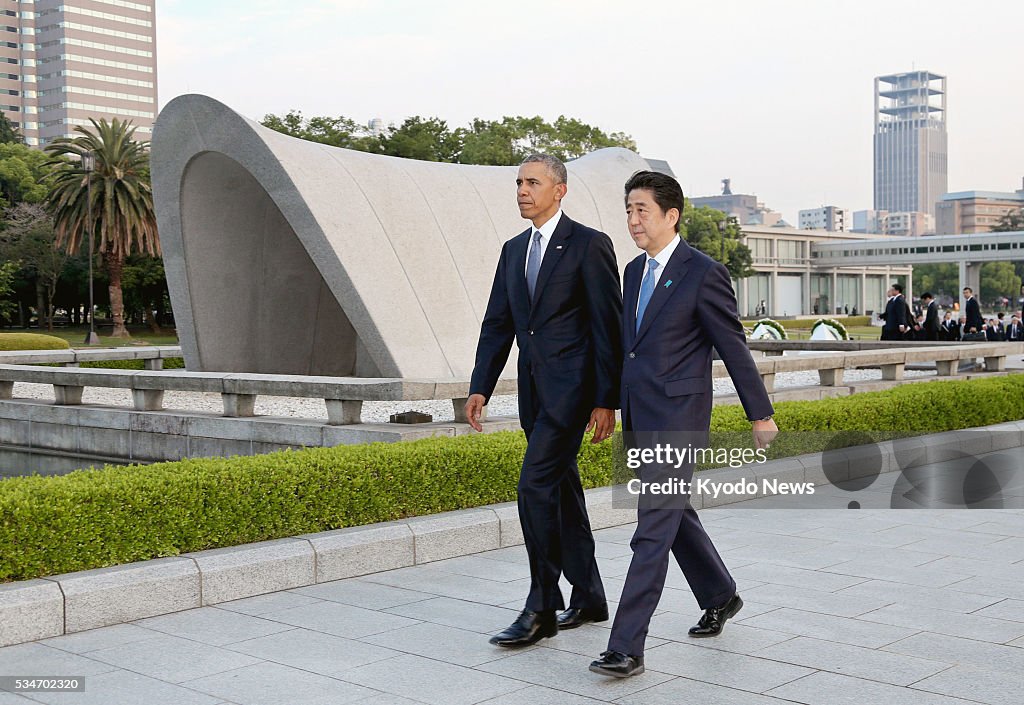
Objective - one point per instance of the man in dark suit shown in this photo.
(949, 327)
(556, 293)
(992, 332)
(1014, 332)
(931, 327)
(678, 305)
(975, 323)
(897, 322)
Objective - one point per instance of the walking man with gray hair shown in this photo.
(556, 294)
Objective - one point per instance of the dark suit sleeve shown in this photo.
(604, 305)
(717, 312)
(497, 331)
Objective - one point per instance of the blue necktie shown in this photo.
(533, 264)
(646, 291)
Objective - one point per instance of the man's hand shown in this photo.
(474, 407)
(603, 423)
(764, 433)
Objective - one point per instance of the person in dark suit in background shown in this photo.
(931, 325)
(556, 293)
(897, 320)
(678, 305)
(1014, 331)
(992, 332)
(949, 327)
(972, 310)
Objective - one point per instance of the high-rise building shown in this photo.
(70, 60)
(828, 218)
(869, 221)
(910, 141)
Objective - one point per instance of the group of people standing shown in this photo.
(901, 324)
(588, 347)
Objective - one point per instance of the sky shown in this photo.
(777, 96)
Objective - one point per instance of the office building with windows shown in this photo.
(910, 142)
(975, 211)
(828, 218)
(65, 61)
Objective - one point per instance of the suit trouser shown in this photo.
(553, 513)
(659, 531)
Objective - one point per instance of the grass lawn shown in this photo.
(141, 335)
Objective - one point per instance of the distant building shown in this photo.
(908, 224)
(78, 59)
(869, 221)
(744, 207)
(828, 218)
(910, 141)
(975, 211)
(376, 127)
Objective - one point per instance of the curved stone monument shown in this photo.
(292, 257)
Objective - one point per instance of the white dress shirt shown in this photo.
(546, 231)
(662, 259)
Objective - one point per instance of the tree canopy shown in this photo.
(501, 142)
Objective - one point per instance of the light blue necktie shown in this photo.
(646, 291)
(533, 264)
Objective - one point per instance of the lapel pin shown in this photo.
(668, 283)
(558, 247)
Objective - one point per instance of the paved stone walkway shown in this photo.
(842, 606)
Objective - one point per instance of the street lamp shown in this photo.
(88, 166)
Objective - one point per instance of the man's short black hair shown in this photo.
(898, 287)
(927, 295)
(967, 288)
(666, 191)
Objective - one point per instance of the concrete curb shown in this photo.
(63, 604)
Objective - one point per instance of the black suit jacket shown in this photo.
(973, 313)
(666, 374)
(1015, 333)
(895, 316)
(569, 336)
(931, 319)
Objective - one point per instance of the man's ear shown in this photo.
(561, 190)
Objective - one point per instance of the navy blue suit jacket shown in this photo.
(973, 312)
(569, 335)
(666, 373)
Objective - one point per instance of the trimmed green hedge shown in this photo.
(113, 515)
(31, 341)
(170, 363)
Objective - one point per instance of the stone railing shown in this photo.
(344, 396)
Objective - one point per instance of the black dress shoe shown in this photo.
(714, 619)
(618, 665)
(575, 616)
(528, 629)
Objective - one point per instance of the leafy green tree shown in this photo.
(999, 279)
(29, 237)
(123, 220)
(25, 174)
(1010, 222)
(8, 132)
(718, 236)
(8, 270)
(428, 140)
(338, 132)
(495, 142)
(939, 279)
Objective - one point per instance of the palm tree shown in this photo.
(122, 200)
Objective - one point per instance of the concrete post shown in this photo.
(155, 363)
(831, 378)
(148, 399)
(343, 412)
(67, 395)
(239, 404)
(6, 390)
